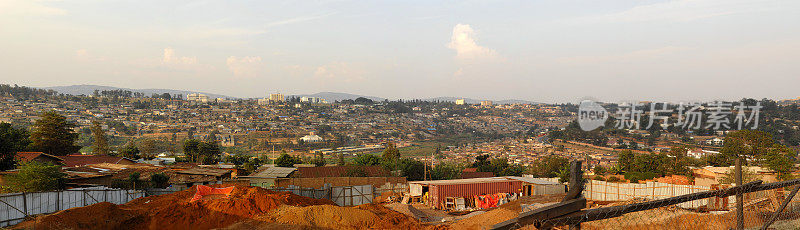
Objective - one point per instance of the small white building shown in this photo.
(312, 138)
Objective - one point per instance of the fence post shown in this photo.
(25, 204)
(739, 196)
(58, 201)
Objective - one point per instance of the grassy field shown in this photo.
(421, 149)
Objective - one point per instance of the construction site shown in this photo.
(231, 206)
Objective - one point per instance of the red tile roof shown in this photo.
(29, 156)
(81, 160)
(339, 171)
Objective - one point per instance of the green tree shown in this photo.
(391, 152)
(341, 160)
(53, 134)
(191, 149)
(599, 170)
(285, 160)
(367, 159)
(209, 152)
(36, 176)
(446, 171)
(11, 141)
(129, 151)
(760, 146)
(159, 180)
(625, 160)
(100, 145)
(548, 166)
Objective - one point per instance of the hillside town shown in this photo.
(161, 143)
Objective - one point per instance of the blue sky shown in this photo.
(549, 51)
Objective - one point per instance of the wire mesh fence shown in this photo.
(753, 205)
(759, 207)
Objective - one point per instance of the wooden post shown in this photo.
(58, 201)
(739, 196)
(25, 204)
(575, 187)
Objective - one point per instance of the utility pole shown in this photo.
(739, 196)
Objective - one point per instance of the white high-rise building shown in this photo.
(198, 97)
(276, 97)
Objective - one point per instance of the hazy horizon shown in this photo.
(541, 51)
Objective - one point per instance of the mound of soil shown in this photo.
(173, 211)
(368, 216)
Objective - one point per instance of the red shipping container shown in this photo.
(468, 188)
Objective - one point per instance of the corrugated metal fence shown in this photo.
(14, 207)
(341, 195)
(608, 191)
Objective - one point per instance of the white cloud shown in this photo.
(463, 42)
(244, 66)
(28, 7)
(170, 58)
(340, 71)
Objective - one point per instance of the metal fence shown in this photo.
(757, 205)
(341, 195)
(14, 207)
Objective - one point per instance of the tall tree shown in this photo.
(391, 153)
(53, 134)
(11, 141)
(100, 145)
(760, 146)
(191, 150)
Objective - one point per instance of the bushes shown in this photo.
(36, 176)
(159, 180)
(285, 160)
(635, 177)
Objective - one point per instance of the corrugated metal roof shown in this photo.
(531, 180)
(205, 171)
(462, 181)
(273, 172)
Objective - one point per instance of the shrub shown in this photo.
(159, 180)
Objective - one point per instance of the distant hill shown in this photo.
(89, 90)
(333, 96)
(476, 101)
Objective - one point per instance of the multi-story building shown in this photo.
(486, 103)
(313, 100)
(198, 97)
(276, 97)
(460, 102)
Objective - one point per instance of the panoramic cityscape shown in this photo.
(399, 115)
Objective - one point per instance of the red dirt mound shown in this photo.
(368, 216)
(173, 211)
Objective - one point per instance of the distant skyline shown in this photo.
(542, 51)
